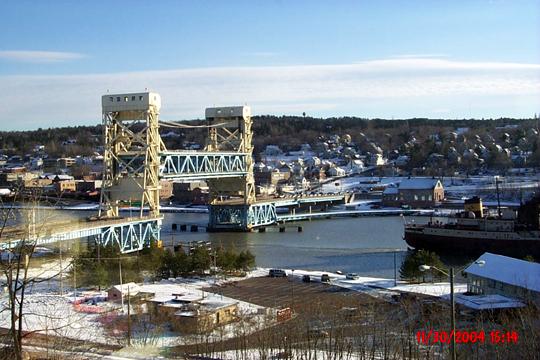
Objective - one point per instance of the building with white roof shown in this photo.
(415, 192)
(495, 274)
(191, 312)
(118, 292)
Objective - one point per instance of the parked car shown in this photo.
(351, 276)
(325, 278)
(277, 273)
(306, 278)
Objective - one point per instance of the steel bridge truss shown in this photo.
(191, 166)
(132, 236)
(241, 217)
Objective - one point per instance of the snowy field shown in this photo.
(47, 311)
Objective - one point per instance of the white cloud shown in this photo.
(39, 56)
(408, 56)
(381, 88)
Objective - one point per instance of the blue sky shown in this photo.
(439, 59)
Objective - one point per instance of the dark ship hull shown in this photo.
(473, 243)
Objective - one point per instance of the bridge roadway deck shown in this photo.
(330, 214)
(288, 200)
(49, 232)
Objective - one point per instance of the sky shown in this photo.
(385, 59)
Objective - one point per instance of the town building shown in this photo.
(166, 189)
(416, 192)
(119, 292)
(270, 176)
(336, 171)
(66, 162)
(193, 314)
(13, 177)
(195, 193)
(88, 185)
(495, 274)
(37, 183)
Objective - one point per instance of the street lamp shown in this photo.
(452, 302)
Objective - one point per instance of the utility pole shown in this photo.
(121, 288)
(395, 272)
(453, 309)
(74, 280)
(61, 270)
(129, 319)
(498, 197)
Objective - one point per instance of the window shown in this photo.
(415, 197)
(133, 98)
(126, 98)
(140, 98)
(423, 197)
(430, 197)
(111, 98)
(118, 98)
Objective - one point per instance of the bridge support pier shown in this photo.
(226, 217)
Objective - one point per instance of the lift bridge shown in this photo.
(135, 159)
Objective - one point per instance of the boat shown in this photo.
(471, 233)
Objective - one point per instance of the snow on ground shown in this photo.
(433, 289)
(47, 311)
(55, 315)
(451, 185)
(253, 317)
(275, 354)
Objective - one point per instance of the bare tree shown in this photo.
(20, 230)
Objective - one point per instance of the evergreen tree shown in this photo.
(410, 268)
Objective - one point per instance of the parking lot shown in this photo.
(284, 292)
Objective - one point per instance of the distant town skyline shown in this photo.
(386, 59)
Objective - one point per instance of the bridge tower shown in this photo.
(233, 205)
(131, 164)
(229, 130)
(132, 152)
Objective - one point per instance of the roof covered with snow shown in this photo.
(508, 270)
(418, 184)
(487, 302)
(132, 287)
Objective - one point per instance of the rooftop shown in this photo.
(418, 184)
(508, 270)
(488, 302)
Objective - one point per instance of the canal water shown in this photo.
(365, 245)
(369, 246)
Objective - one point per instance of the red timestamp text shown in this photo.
(427, 337)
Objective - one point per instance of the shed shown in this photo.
(117, 292)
